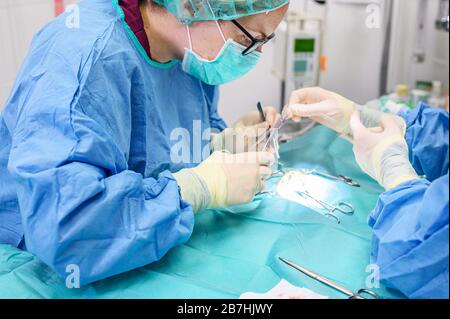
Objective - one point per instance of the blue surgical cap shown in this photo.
(188, 11)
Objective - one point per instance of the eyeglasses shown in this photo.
(256, 43)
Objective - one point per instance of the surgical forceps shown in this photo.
(342, 178)
(272, 138)
(341, 207)
(351, 295)
(272, 134)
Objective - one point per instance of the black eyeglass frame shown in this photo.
(256, 43)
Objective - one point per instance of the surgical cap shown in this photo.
(188, 11)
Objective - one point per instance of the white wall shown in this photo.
(354, 50)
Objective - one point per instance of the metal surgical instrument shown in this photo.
(261, 111)
(342, 178)
(351, 295)
(341, 207)
(272, 138)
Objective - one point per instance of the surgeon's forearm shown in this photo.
(104, 226)
(428, 140)
(397, 170)
(193, 189)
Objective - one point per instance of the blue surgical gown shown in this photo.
(85, 147)
(410, 222)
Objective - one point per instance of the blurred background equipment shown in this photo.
(298, 47)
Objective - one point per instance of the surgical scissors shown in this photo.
(341, 207)
(342, 178)
(261, 111)
(351, 295)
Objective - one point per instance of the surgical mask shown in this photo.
(228, 66)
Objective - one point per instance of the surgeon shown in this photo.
(408, 155)
(91, 135)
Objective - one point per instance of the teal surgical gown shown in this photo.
(85, 147)
(410, 222)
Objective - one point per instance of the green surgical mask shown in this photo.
(229, 65)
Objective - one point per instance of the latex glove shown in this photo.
(382, 152)
(322, 106)
(224, 179)
(248, 134)
(332, 110)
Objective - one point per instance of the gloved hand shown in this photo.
(224, 179)
(332, 110)
(248, 134)
(324, 107)
(382, 152)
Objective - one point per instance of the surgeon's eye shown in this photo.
(244, 40)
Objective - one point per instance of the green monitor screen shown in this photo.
(304, 45)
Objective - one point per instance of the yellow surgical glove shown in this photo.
(248, 134)
(382, 152)
(224, 179)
